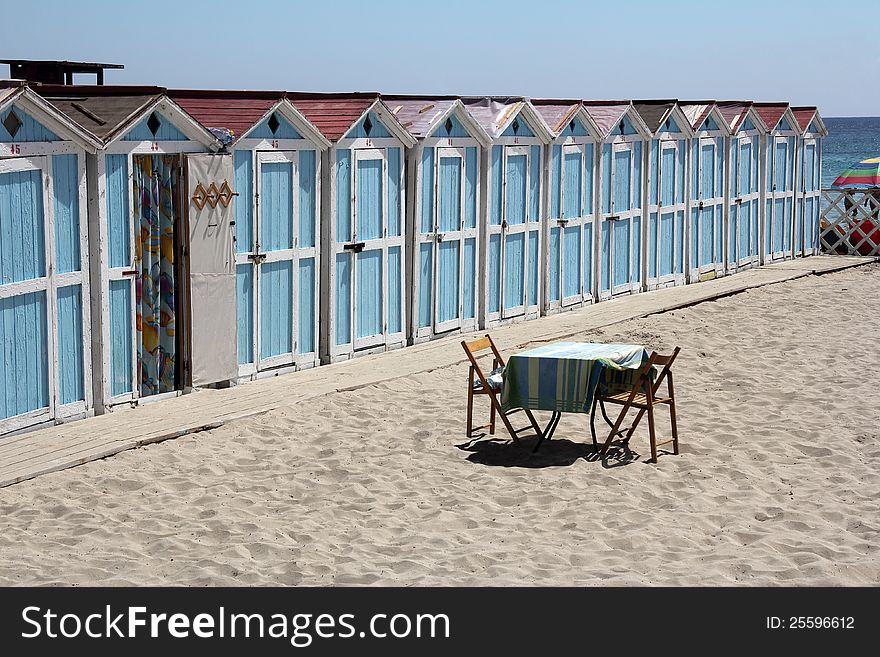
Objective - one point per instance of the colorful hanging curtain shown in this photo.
(156, 207)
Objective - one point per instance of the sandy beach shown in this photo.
(778, 481)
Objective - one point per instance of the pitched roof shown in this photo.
(734, 112)
(556, 114)
(606, 113)
(237, 111)
(653, 112)
(333, 114)
(804, 116)
(493, 113)
(102, 110)
(419, 115)
(696, 111)
(770, 113)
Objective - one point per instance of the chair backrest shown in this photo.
(474, 350)
(665, 362)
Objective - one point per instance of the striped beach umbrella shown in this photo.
(861, 174)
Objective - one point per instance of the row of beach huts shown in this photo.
(152, 240)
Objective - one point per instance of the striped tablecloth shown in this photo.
(563, 376)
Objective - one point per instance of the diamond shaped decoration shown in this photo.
(212, 195)
(12, 123)
(200, 196)
(368, 125)
(516, 126)
(571, 126)
(273, 123)
(224, 196)
(153, 123)
(448, 126)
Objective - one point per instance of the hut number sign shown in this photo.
(12, 149)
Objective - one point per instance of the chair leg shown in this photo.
(651, 432)
(674, 427)
(616, 428)
(491, 418)
(534, 422)
(470, 410)
(635, 423)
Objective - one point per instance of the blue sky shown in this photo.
(761, 50)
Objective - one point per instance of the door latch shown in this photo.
(357, 247)
(256, 257)
(439, 237)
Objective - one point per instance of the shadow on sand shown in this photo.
(556, 452)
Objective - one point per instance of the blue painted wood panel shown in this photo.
(24, 379)
(22, 236)
(120, 337)
(518, 128)
(589, 167)
(276, 308)
(427, 208)
(494, 273)
(496, 199)
(118, 209)
(636, 270)
(514, 270)
(572, 261)
(469, 276)
(667, 244)
(535, 184)
(654, 172)
(622, 243)
(517, 176)
(343, 298)
(30, 129)
(532, 290)
(667, 178)
(369, 200)
(343, 196)
(369, 293)
(244, 223)
(308, 199)
(470, 187)
(707, 235)
(695, 169)
(707, 180)
(394, 192)
(71, 386)
(449, 191)
(747, 125)
(276, 206)
(67, 237)
(426, 280)
(377, 129)
(572, 184)
(605, 252)
(244, 300)
(555, 181)
(306, 310)
(622, 181)
(555, 262)
(588, 258)
(450, 127)
(395, 296)
(166, 131)
(709, 124)
(637, 174)
(576, 129)
(653, 240)
(448, 281)
(679, 227)
(282, 131)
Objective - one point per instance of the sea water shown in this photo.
(850, 140)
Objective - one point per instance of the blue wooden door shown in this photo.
(26, 297)
(514, 253)
(706, 220)
(275, 274)
(574, 235)
(744, 206)
(369, 264)
(625, 227)
(780, 202)
(449, 274)
(810, 191)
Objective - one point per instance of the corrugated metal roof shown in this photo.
(237, 111)
(606, 114)
(696, 111)
(102, 110)
(419, 115)
(493, 113)
(770, 113)
(653, 112)
(734, 112)
(333, 114)
(804, 116)
(556, 114)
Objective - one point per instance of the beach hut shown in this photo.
(573, 164)
(162, 280)
(667, 191)
(747, 131)
(444, 193)
(277, 159)
(622, 185)
(809, 180)
(780, 159)
(364, 236)
(45, 327)
(514, 171)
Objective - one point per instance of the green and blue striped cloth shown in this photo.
(563, 376)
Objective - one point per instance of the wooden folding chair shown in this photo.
(491, 386)
(643, 396)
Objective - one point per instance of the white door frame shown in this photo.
(508, 230)
(741, 198)
(673, 278)
(716, 201)
(583, 219)
(774, 194)
(615, 216)
(806, 194)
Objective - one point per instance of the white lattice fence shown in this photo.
(849, 223)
